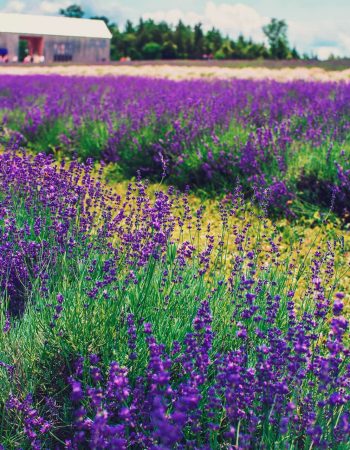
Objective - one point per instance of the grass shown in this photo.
(90, 140)
(43, 356)
(264, 145)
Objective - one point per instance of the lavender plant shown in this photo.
(284, 137)
(129, 323)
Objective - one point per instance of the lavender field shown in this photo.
(289, 138)
(174, 264)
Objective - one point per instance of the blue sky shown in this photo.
(317, 26)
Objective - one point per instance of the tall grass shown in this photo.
(127, 322)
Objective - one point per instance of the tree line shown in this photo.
(148, 40)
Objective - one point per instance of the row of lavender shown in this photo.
(126, 324)
(292, 138)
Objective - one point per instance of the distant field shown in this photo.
(177, 70)
(342, 64)
(236, 64)
(277, 64)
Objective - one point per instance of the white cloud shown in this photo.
(49, 7)
(231, 19)
(15, 6)
(235, 19)
(326, 51)
(110, 8)
(113, 9)
(322, 38)
(343, 37)
(172, 16)
(36, 7)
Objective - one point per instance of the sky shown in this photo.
(319, 27)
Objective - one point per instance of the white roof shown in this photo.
(53, 26)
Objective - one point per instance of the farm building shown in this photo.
(32, 38)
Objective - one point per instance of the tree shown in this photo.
(169, 50)
(240, 48)
(152, 50)
(72, 11)
(295, 54)
(182, 39)
(126, 46)
(198, 50)
(145, 33)
(276, 33)
(154, 40)
(213, 41)
(129, 27)
(225, 52)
